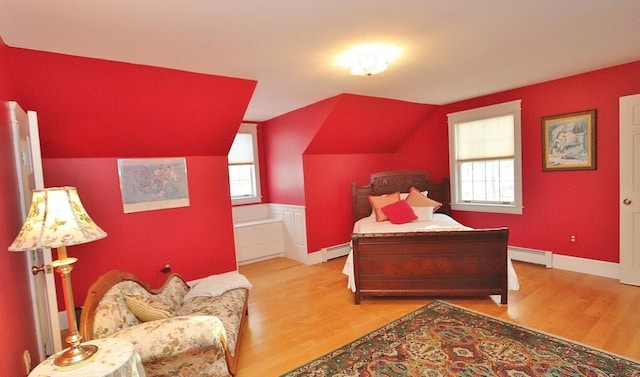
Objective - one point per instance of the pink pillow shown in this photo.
(417, 199)
(377, 202)
(399, 212)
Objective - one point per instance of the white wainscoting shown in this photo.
(248, 219)
(257, 235)
(294, 229)
(294, 242)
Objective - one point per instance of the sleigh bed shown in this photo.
(449, 261)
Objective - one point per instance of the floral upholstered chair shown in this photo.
(176, 330)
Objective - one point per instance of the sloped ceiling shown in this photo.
(361, 124)
(98, 108)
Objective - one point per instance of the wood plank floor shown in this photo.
(299, 312)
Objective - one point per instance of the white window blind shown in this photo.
(241, 150)
(485, 139)
(244, 171)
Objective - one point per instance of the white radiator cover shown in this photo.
(535, 256)
(335, 251)
(258, 240)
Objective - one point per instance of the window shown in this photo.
(485, 159)
(244, 172)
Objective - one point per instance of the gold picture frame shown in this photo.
(569, 141)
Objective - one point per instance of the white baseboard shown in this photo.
(564, 262)
(260, 259)
(587, 266)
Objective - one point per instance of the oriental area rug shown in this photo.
(441, 339)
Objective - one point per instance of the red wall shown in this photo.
(92, 112)
(314, 153)
(196, 241)
(562, 203)
(17, 326)
(284, 141)
(557, 204)
(99, 108)
(327, 188)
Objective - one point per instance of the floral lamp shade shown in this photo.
(56, 219)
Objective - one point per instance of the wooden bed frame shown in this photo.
(444, 263)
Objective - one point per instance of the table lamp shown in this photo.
(57, 219)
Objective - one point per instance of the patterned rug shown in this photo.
(441, 339)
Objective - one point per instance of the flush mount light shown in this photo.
(368, 59)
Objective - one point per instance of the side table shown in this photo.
(115, 358)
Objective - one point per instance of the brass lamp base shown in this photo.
(76, 356)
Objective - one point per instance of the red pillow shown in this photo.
(399, 212)
(377, 202)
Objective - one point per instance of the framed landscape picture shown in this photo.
(569, 141)
(153, 183)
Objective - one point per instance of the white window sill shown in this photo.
(492, 208)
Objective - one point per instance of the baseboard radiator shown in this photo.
(531, 255)
(335, 251)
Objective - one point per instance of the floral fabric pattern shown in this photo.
(227, 307)
(190, 343)
(172, 336)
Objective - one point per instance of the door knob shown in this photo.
(626, 201)
(36, 270)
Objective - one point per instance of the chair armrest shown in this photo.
(174, 336)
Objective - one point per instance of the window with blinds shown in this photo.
(244, 184)
(485, 159)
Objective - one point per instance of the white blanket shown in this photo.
(439, 222)
(215, 285)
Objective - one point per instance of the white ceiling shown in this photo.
(452, 49)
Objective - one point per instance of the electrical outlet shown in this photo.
(26, 357)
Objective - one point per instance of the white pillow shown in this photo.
(404, 195)
(423, 213)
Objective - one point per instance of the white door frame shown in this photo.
(30, 176)
(630, 189)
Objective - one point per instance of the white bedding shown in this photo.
(439, 222)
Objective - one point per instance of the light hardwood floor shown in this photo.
(299, 312)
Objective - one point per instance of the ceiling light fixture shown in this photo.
(368, 59)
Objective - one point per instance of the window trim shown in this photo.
(506, 108)
(252, 129)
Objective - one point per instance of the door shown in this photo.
(630, 189)
(26, 145)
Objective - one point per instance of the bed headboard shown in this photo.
(399, 180)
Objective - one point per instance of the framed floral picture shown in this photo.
(569, 141)
(153, 183)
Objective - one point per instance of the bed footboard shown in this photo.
(443, 263)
